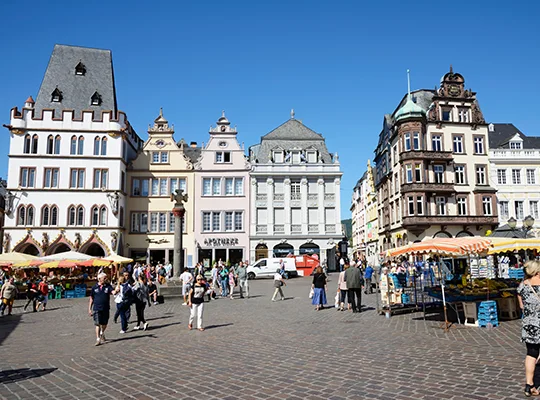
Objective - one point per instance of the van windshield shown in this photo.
(261, 263)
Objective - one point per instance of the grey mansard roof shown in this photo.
(77, 90)
(290, 135)
(501, 134)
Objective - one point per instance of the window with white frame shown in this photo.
(49, 215)
(229, 220)
(463, 115)
(178, 184)
(239, 221)
(503, 209)
(25, 215)
(516, 177)
(50, 178)
(207, 218)
(461, 205)
(447, 114)
(295, 191)
(478, 145)
(533, 208)
(163, 222)
(436, 143)
(410, 205)
(311, 156)
(438, 171)
(515, 145)
(139, 222)
(207, 187)
(76, 179)
(518, 208)
(418, 172)
(408, 173)
(216, 221)
(100, 178)
(211, 186)
(154, 222)
(277, 156)
(441, 205)
(26, 147)
(407, 143)
(486, 205)
(531, 177)
(416, 141)
(459, 171)
(160, 157)
(420, 205)
(223, 157)
(501, 176)
(481, 175)
(458, 144)
(216, 186)
(27, 177)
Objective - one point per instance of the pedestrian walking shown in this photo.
(196, 303)
(368, 273)
(8, 293)
(232, 282)
(141, 299)
(278, 283)
(342, 289)
(43, 295)
(187, 280)
(32, 295)
(122, 299)
(224, 278)
(529, 300)
(319, 289)
(353, 277)
(243, 282)
(99, 306)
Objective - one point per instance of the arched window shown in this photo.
(95, 215)
(21, 217)
(45, 215)
(71, 215)
(97, 141)
(73, 148)
(34, 144)
(103, 215)
(50, 144)
(54, 215)
(57, 144)
(80, 148)
(26, 149)
(104, 146)
(30, 215)
(80, 215)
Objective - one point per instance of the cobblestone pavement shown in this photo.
(256, 349)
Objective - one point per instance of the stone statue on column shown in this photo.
(179, 198)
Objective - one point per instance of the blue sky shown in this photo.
(341, 65)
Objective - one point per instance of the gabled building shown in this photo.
(514, 165)
(295, 194)
(222, 197)
(432, 167)
(161, 167)
(68, 155)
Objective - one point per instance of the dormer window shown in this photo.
(223, 157)
(515, 145)
(56, 96)
(277, 156)
(312, 156)
(296, 157)
(80, 69)
(447, 114)
(95, 99)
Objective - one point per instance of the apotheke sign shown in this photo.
(220, 242)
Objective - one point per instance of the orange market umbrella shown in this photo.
(59, 264)
(431, 246)
(28, 264)
(95, 262)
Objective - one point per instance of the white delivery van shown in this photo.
(267, 267)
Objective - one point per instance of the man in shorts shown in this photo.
(187, 280)
(43, 293)
(99, 306)
(8, 293)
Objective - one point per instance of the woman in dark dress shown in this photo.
(529, 300)
(319, 289)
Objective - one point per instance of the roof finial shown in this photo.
(292, 113)
(161, 111)
(223, 113)
(451, 69)
(408, 84)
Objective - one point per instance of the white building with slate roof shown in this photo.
(67, 160)
(295, 194)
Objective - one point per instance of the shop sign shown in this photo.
(221, 242)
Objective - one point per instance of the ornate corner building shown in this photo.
(432, 174)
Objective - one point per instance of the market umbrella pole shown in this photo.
(446, 323)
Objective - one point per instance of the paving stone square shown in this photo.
(257, 349)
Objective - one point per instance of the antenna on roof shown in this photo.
(408, 84)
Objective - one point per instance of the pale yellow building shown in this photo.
(162, 167)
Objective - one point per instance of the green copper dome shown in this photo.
(409, 110)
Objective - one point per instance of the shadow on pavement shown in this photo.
(154, 327)
(22, 374)
(8, 324)
(217, 326)
(132, 337)
(158, 318)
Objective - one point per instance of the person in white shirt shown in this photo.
(168, 270)
(187, 280)
(278, 283)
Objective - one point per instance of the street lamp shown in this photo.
(512, 223)
(528, 223)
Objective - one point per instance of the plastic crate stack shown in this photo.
(80, 291)
(487, 313)
(516, 273)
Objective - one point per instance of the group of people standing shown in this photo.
(37, 294)
(349, 287)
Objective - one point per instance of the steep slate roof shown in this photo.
(289, 135)
(77, 90)
(193, 153)
(502, 133)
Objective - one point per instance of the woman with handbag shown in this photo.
(278, 283)
(319, 289)
(141, 299)
(529, 301)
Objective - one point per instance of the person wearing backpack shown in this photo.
(141, 299)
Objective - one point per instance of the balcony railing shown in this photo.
(279, 197)
(428, 187)
(330, 228)
(279, 228)
(426, 155)
(329, 197)
(419, 220)
(261, 229)
(515, 153)
(311, 196)
(296, 196)
(296, 228)
(313, 228)
(261, 196)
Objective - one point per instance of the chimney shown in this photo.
(193, 144)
